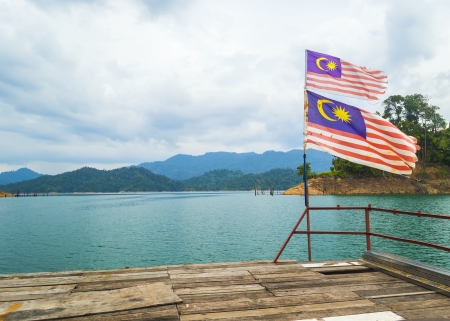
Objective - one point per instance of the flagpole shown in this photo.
(305, 176)
(305, 119)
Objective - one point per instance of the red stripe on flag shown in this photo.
(364, 146)
(389, 146)
(326, 79)
(377, 74)
(359, 156)
(361, 77)
(385, 132)
(388, 151)
(341, 91)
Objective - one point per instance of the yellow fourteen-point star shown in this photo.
(342, 114)
(331, 65)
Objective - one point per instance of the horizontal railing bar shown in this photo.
(367, 210)
(437, 246)
(376, 209)
(395, 238)
(337, 208)
(331, 232)
(420, 214)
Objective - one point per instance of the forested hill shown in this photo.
(222, 180)
(138, 179)
(93, 180)
(182, 167)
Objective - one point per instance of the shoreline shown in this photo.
(372, 186)
(5, 194)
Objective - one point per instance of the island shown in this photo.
(433, 181)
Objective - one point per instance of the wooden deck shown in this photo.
(289, 290)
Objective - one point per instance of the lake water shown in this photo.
(70, 232)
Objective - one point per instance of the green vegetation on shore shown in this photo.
(223, 180)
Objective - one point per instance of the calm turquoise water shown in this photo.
(137, 230)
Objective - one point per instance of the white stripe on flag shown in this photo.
(355, 82)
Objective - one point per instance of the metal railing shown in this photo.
(368, 233)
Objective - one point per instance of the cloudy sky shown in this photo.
(113, 83)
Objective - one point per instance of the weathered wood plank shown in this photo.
(311, 315)
(377, 316)
(367, 275)
(38, 288)
(290, 275)
(162, 313)
(338, 288)
(220, 289)
(109, 277)
(48, 296)
(201, 298)
(288, 268)
(194, 279)
(414, 302)
(33, 293)
(349, 268)
(391, 290)
(398, 295)
(213, 274)
(417, 305)
(10, 283)
(83, 303)
(338, 263)
(429, 313)
(339, 278)
(107, 286)
(328, 282)
(410, 299)
(41, 274)
(159, 293)
(113, 277)
(277, 311)
(196, 283)
(247, 303)
(130, 270)
(245, 266)
(230, 264)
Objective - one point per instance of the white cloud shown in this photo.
(123, 82)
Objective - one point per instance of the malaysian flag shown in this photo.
(358, 136)
(334, 75)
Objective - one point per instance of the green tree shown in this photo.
(341, 165)
(414, 107)
(309, 172)
(435, 122)
(414, 116)
(393, 109)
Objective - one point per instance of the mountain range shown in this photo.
(183, 167)
(139, 179)
(211, 171)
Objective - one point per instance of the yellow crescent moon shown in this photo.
(318, 63)
(320, 108)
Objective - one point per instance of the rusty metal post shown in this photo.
(290, 235)
(367, 211)
(308, 227)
